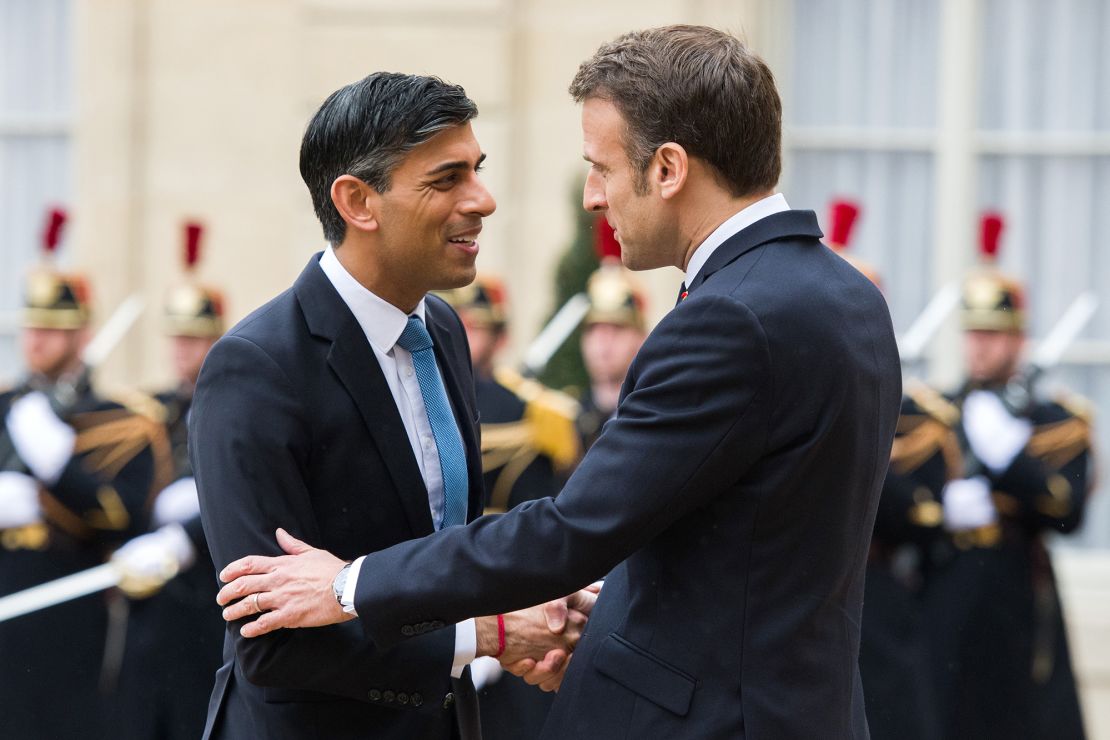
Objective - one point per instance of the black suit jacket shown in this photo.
(734, 494)
(293, 425)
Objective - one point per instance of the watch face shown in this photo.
(340, 583)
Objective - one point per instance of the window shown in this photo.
(35, 161)
(930, 112)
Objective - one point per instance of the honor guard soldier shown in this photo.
(528, 433)
(1001, 662)
(893, 658)
(613, 331)
(175, 632)
(529, 444)
(77, 471)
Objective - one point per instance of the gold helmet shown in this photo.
(992, 301)
(483, 301)
(614, 296)
(52, 299)
(194, 310)
(56, 301)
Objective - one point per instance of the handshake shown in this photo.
(537, 643)
(296, 590)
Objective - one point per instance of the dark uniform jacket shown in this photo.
(1001, 666)
(174, 637)
(51, 660)
(733, 496)
(894, 662)
(294, 426)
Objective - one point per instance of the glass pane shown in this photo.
(35, 54)
(866, 63)
(1045, 65)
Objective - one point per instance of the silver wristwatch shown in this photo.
(340, 583)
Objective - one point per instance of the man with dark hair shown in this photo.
(733, 495)
(343, 411)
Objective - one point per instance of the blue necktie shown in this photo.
(452, 455)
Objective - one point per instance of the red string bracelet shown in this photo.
(500, 635)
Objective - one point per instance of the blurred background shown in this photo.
(137, 115)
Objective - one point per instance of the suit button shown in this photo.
(402, 698)
(417, 700)
(449, 701)
(375, 695)
(408, 631)
(389, 696)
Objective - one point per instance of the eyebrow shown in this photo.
(457, 165)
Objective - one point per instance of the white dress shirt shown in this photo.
(382, 323)
(760, 209)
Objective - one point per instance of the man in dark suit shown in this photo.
(733, 496)
(343, 410)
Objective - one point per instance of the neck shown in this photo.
(606, 393)
(357, 259)
(713, 207)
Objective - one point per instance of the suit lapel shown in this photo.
(782, 225)
(358, 370)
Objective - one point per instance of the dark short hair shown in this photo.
(698, 87)
(366, 128)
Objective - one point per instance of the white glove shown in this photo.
(148, 561)
(177, 503)
(44, 442)
(485, 671)
(996, 436)
(19, 500)
(967, 504)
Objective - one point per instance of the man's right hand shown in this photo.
(532, 633)
(563, 617)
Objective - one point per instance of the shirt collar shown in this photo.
(740, 221)
(381, 321)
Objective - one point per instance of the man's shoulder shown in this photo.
(269, 319)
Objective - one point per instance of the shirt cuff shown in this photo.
(466, 646)
(348, 597)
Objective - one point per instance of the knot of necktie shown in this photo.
(415, 337)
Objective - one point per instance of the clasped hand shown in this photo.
(295, 590)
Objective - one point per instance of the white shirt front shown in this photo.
(759, 210)
(382, 323)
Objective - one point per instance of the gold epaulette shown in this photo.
(933, 403)
(1078, 406)
(111, 438)
(1058, 443)
(550, 416)
(139, 403)
(921, 436)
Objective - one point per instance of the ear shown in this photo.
(356, 202)
(670, 167)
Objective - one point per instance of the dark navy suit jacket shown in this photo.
(732, 498)
(293, 426)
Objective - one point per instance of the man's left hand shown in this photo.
(293, 590)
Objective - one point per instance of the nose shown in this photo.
(593, 194)
(481, 202)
